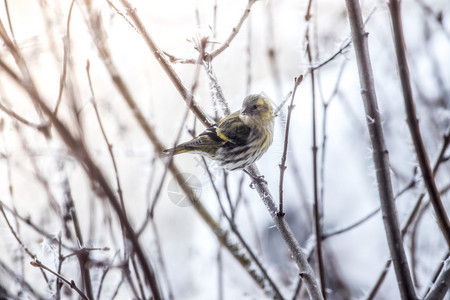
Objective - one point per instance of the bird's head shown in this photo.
(256, 109)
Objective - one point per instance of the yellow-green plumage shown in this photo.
(239, 139)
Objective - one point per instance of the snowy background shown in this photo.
(39, 175)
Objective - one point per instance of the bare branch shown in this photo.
(282, 164)
(441, 284)
(380, 152)
(70, 283)
(306, 272)
(234, 31)
(413, 124)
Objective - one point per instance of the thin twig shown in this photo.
(71, 283)
(66, 42)
(194, 85)
(102, 279)
(224, 45)
(282, 164)
(441, 282)
(25, 286)
(12, 114)
(58, 282)
(413, 124)
(25, 72)
(19, 241)
(275, 291)
(234, 31)
(380, 152)
(82, 254)
(317, 205)
(93, 171)
(367, 217)
(11, 28)
(306, 272)
(341, 51)
(161, 260)
(416, 213)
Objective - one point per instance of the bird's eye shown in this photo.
(255, 107)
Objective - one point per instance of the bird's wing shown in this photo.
(232, 130)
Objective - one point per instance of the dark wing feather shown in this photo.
(233, 130)
(229, 132)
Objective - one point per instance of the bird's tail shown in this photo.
(182, 148)
(175, 151)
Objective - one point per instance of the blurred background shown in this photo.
(51, 206)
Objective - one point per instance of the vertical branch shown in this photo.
(282, 164)
(380, 153)
(413, 124)
(316, 206)
(82, 254)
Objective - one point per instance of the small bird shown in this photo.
(237, 140)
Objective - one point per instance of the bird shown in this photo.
(237, 140)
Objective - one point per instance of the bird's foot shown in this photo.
(257, 180)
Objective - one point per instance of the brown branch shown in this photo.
(282, 164)
(12, 114)
(66, 42)
(82, 254)
(380, 153)
(413, 124)
(316, 203)
(25, 72)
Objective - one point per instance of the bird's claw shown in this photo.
(257, 180)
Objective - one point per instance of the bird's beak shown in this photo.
(244, 112)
